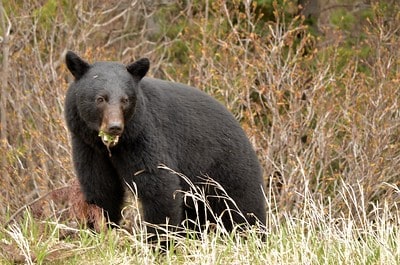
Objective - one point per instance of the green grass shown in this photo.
(313, 236)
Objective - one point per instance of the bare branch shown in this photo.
(6, 29)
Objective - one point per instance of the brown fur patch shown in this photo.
(66, 204)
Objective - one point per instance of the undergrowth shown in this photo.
(313, 237)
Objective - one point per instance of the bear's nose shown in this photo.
(115, 129)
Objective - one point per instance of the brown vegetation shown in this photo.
(325, 122)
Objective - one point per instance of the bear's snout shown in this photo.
(115, 128)
(113, 121)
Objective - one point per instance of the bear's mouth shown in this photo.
(108, 140)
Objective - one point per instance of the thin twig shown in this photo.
(20, 210)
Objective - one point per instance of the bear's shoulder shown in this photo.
(158, 90)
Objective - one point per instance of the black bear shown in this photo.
(124, 126)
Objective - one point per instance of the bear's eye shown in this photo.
(100, 100)
(124, 100)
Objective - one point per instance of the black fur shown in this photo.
(76, 65)
(165, 123)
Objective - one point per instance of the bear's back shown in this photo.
(187, 109)
(186, 102)
(198, 127)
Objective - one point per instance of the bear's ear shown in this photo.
(139, 68)
(76, 65)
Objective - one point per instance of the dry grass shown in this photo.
(325, 121)
(315, 236)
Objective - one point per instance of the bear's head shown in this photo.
(106, 93)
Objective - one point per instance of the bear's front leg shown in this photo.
(161, 198)
(99, 181)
